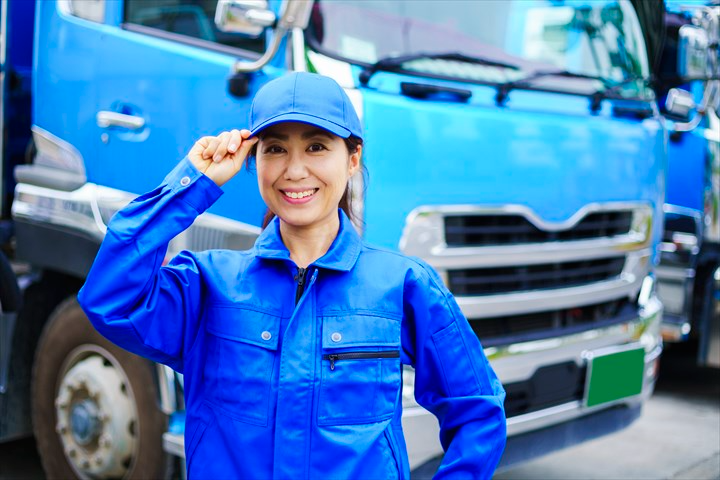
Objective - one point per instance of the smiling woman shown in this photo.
(293, 351)
(321, 150)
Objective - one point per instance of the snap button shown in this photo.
(266, 335)
(336, 337)
(185, 181)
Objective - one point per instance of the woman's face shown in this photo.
(302, 173)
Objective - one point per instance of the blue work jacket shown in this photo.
(275, 389)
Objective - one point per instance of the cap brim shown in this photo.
(303, 118)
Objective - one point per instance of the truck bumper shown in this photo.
(545, 430)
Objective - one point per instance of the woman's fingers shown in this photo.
(222, 148)
(234, 141)
(226, 143)
(211, 148)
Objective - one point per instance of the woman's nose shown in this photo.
(296, 167)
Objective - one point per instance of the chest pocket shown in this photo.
(361, 372)
(242, 354)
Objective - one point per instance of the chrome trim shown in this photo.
(106, 119)
(88, 209)
(297, 45)
(166, 384)
(516, 303)
(423, 234)
(519, 361)
(174, 444)
(55, 152)
(674, 273)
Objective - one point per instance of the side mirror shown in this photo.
(679, 103)
(692, 52)
(247, 17)
(252, 17)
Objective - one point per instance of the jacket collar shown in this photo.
(341, 255)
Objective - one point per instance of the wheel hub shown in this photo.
(97, 418)
(85, 423)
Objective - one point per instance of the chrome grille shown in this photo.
(503, 229)
(538, 325)
(518, 278)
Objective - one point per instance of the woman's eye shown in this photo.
(273, 149)
(316, 147)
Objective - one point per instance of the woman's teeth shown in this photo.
(304, 194)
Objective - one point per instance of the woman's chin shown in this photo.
(305, 218)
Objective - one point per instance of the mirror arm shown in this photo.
(711, 90)
(242, 66)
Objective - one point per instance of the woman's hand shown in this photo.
(221, 157)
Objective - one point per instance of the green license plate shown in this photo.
(614, 375)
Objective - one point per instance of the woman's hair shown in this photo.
(346, 202)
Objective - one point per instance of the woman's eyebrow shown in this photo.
(316, 132)
(277, 136)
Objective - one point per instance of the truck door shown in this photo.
(162, 83)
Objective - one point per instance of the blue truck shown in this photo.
(516, 146)
(689, 88)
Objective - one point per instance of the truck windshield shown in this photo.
(600, 40)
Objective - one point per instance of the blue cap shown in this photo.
(307, 98)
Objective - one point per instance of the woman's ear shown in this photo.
(354, 161)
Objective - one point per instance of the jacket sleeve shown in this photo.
(128, 295)
(453, 378)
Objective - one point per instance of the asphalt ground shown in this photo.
(677, 437)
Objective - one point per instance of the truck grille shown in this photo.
(552, 323)
(487, 230)
(493, 281)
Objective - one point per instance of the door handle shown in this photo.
(107, 119)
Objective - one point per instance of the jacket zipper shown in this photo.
(334, 357)
(300, 279)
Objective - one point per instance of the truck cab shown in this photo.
(513, 145)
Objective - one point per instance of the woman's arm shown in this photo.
(453, 378)
(128, 295)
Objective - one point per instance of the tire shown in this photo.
(94, 405)
(707, 315)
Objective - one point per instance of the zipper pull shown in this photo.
(300, 276)
(332, 359)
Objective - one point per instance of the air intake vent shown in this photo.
(487, 230)
(551, 323)
(512, 279)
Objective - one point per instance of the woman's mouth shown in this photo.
(301, 196)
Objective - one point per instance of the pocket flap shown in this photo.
(248, 326)
(354, 330)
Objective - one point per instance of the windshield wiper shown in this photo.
(504, 89)
(391, 64)
(609, 89)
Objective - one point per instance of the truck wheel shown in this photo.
(94, 405)
(708, 321)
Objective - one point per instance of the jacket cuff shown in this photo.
(192, 186)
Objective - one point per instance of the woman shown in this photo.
(292, 351)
